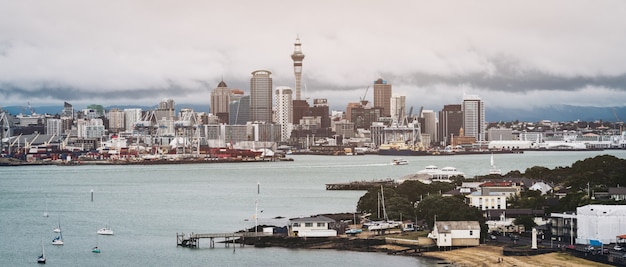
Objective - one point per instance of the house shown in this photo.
(314, 226)
(617, 193)
(456, 233)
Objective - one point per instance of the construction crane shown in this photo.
(617, 120)
(363, 101)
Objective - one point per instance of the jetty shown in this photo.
(193, 240)
(361, 185)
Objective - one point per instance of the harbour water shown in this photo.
(147, 205)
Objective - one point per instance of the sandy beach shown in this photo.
(488, 255)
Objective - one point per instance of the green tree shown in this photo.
(526, 220)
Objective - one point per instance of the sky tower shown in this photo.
(297, 57)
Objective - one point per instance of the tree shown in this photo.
(526, 220)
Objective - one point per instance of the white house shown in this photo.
(315, 226)
(456, 233)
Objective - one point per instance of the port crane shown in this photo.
(363, 101)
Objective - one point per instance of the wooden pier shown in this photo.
(193, 240)
(361, 185)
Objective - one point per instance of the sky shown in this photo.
(512, 54)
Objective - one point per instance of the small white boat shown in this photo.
(58, 228)
(494, 170)
(105, 231)
(399, 162)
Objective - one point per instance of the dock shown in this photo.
(193, 240)
(361, 185)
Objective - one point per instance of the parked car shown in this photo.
(353, 231)
(493, 237)
(590, 249)
(618, 248)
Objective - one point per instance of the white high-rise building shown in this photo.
(284, 111)
(474, 117)
(398, 108)
(131, 116)
(54, 127)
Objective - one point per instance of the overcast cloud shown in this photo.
(510, 53)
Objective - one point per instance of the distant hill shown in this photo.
(552, 113)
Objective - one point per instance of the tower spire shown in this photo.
(297, 58)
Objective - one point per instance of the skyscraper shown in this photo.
(474, 117)
(284, 111)
(430, 124)
(220, 96)
(261, 96)
(450, 123)
(382, 97)
(297, 58)
(220, 99)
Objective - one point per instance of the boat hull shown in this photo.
(402, 152)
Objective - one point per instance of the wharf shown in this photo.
(193, 240)
(361, 185)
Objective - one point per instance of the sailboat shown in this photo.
(493, 169)
(42, 258)
(58, 228)
(385, 223)
(59, 239)
(45, 213)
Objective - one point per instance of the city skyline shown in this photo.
(515, 54)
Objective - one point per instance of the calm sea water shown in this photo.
(147, 205)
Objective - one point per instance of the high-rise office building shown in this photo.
(261, 96)
(297, 58)
(68, 110)
(382, 96)
(239, 111)
(220, 99)
(474, 117)
(320, 109)
(284, 111)
(450, 123)
(131, 116)
(430, 124)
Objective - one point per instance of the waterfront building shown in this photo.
(54, 127)
(284, 111)
(131, 117)
(261, 96)
(382, 97)
(456, 233)
(474, 123)
(315, 226)
(116, 121)
(297, 58)
(265, 132)
(220, 99)
(398, 108)
(499, 133)
(450, 123)
(239, 113)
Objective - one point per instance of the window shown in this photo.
(471, 232)
(321, 224)
(296, 224)
(308, 224)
